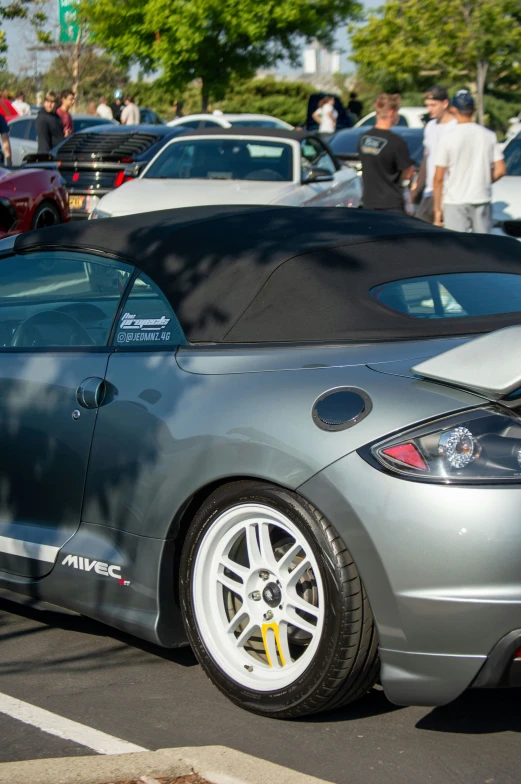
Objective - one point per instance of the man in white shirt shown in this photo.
(442, 121)
(104, 109)
(473, 160)
(21, 106)
(130, 114)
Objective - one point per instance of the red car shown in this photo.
(31, 199)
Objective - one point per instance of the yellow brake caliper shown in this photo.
(264, 629)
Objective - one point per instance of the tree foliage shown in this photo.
(472, 40)
(216, 41)
(285, 100)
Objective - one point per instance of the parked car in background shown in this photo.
(410, 117)
(238, 166)
(98, 160)
(22, 133)
(344, 144)
(506, 193)
(150, 117)
(31, 199)
(220, 120)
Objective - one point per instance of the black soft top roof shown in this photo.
(260, 274)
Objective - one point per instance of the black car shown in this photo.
(150, 117)
(345, 143)
(97, 160)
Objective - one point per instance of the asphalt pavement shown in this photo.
(90, 673)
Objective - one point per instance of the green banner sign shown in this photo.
(69, 29)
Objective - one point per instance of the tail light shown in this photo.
(478, 446)
(119, 179)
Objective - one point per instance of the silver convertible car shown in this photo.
(290, 438)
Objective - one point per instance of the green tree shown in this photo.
(31, 10)
(216, 41)
(474, 40)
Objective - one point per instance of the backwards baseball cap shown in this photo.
(463, 101)
(437, 93)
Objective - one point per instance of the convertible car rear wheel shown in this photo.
(273, 604)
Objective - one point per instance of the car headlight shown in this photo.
(478, 446)
(95, 214)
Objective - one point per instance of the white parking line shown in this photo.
(65, 728)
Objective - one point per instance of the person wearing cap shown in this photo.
(471, 159)
(438, 106)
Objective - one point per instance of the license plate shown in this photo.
(76, 202)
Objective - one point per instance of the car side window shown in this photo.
(315, 154)
(59, 300)
(32, 130)
(192, 124)
(148, 320)
(18, 129)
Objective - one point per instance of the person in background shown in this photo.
(472, 159)
(20, 105)
(130, 114)
(117, 106)
(438, 105)
(326, 115)
(104, 109)
(92, 108)
(385, 159)
(5, 154)
(67, 100)
(6, 107)
(355, 106)
(49, 128)
(178, 109)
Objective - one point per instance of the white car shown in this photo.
(506, 193)
(218, 166)
(220, 120)
(410, 116)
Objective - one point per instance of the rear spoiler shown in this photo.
(490, 365)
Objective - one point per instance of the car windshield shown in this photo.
(456, 295)
(512, 153)
(224, 159)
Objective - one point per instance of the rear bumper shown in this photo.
(442, 570)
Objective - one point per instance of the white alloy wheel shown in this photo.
(258, 597)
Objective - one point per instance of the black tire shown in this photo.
(345, 666)
(46, 214)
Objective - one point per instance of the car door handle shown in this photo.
(91, 392)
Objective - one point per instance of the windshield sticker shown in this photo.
(129, 321)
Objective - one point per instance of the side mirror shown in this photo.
(316, 174)
(134, 169)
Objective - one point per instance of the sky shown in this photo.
(18, 42)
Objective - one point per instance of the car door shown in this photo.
(342, 190)
(57, 311)
(18, 132)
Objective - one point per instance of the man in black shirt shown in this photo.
(49, 129)
(385, 159)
